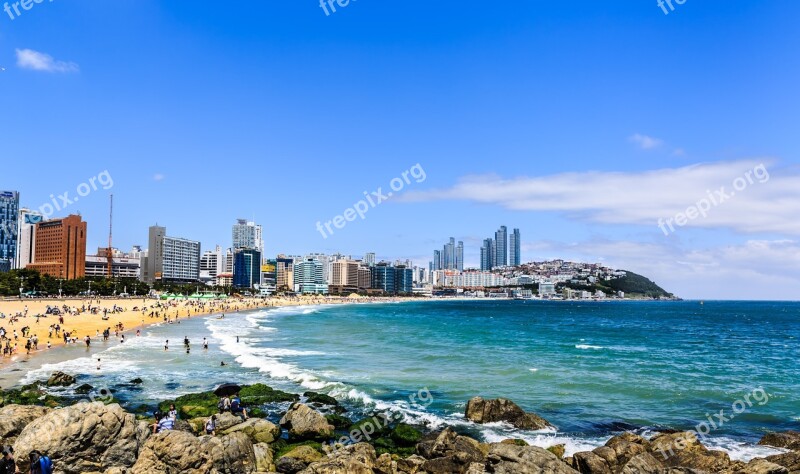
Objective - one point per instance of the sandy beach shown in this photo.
(24, 320)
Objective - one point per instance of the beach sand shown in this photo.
(88, 323)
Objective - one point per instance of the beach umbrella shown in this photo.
(227, 389)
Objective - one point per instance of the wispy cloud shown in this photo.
(36, 61)
(645, 142)
(643, 197)
(158, 177)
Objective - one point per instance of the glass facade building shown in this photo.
(9, 216)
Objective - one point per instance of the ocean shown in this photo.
(593, 369)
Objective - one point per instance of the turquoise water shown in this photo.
(591, 369)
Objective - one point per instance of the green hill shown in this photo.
(633, 284)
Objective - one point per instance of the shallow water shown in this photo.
(592, 369)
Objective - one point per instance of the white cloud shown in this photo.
(158, 177)
(34, 60)
(642, 198)
(645, 142)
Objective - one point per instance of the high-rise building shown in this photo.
(284, 273)
(364, 278)
(384, 278)
(487, 255)
(247, 235)
(246, 268)
(309, 277)
(344, 273)
(325, 260)
(437, 260)
(404, 280)
(212, 263)
(26, 241)
(501, 247)
(170, 259)
(9, 217)
(61, 248)
(460, 256)
(369, 259)
(515, 258)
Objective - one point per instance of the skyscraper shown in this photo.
(437, 260)
(61, 248)
(9, 215)
(369, 259)
(515, 258)
(247, 235)
(460, 256)
(487, 255)
(246, 268)
(501, 247)
(309, 277)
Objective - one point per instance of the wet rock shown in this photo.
(786, 440)
(447, 452)
(60, 379)
(501, 409)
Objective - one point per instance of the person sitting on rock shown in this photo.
(40, 464)
(163, 423)
(211, 426)
(237, 408)
(224, 404)
(173, 413)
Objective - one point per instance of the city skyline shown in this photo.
(595, 157)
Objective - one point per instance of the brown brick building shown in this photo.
(61, 248)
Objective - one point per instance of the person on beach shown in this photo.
(205, 344)
(87, 340)
(166, 345)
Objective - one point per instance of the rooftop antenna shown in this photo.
(109, 253)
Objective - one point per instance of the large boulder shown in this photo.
(587, 462)
(501, 409)
(85, 437)
(225, 421)
(507, 458)
(790, 461)
(447, 452)
(265, 461)
(13, 418)
(258, 430)
(684, 450)
(762, 466)
(305, 423)
(786, 440)
(355, 459)
(180, 452)
(60, 379)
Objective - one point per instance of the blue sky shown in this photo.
(581, 123)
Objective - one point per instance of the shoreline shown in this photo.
(137, 314)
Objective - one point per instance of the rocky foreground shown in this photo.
(96, 437)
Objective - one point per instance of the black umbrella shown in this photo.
(227, 389)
